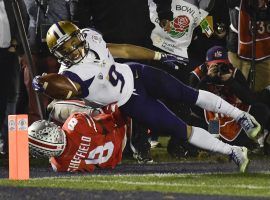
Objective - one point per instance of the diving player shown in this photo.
(137, 88)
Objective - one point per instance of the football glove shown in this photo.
(171, 60)
(37, 86)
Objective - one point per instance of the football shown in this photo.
(58, 86)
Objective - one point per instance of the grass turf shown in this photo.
(256, 184)
(234, 184)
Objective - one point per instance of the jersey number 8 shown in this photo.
(96, 155)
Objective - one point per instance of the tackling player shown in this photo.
(137, 88)
(83, 143)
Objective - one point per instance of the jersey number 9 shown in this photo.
(115, 76)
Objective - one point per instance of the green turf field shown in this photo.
(230, 184)
(257, 185)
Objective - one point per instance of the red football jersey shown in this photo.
(91, 142)
(245, 35)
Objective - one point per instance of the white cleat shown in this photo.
(155, 144)
(250, 125)
(239, 156)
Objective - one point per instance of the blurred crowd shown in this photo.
(226, 44)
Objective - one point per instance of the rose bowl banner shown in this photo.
(245, 35)
(186, 17)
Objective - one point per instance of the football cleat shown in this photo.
(239, 156)
(250, 125)
(154, 144)
(143, 155)
(143, 159)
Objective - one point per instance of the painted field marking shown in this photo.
(167, 184)
(92, 180)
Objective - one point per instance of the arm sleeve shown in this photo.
(197, 83)
(240, 87)
(164, 9)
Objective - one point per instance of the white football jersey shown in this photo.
(186, 17)
(102, 80)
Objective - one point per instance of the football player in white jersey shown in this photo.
(137, 88)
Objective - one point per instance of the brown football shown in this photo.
(58, 86)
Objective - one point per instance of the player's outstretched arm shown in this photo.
(129, 51)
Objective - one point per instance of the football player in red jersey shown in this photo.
(83, 143)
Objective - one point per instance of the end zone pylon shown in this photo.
(18, 147)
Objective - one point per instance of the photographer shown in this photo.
(218, 76)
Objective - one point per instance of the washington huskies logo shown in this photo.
(180, 26)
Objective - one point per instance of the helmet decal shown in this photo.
(46, 139)
(58, 32)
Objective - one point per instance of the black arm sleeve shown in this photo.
(197, 83)
(164, 9)
(240, 87)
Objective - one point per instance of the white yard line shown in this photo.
(144, 175)
(94, 179)
(182, 184)
(241, 186)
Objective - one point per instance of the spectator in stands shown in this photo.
(10, 49)
(185, 17)
(218, 76)
(241, 56)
